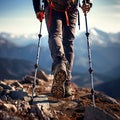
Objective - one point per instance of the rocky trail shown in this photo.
(15, 102)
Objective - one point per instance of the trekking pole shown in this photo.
(79, 20)
(89, 58)
(37, 60)
(79, 5)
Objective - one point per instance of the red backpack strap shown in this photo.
(50, 15)
(67, 18)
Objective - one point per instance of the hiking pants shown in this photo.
(61, 37)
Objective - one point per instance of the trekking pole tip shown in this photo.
(31, 101)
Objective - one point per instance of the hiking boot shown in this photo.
(69, 88)
(58, 88)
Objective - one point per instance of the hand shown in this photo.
(40, 15)
(86, 7)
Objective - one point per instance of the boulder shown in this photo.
(18, 95)
(95, 113)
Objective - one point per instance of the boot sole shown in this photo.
(58, 88)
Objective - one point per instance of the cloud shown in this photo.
(112, 2)
(117, 6)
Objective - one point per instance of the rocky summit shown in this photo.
(16, 104)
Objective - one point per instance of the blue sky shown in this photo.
(17, 16)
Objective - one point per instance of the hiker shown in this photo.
(61, 17)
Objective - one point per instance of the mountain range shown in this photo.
(104, 46)
(14, 68)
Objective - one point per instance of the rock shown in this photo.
(41, 75)
(43, 112)
(18, 95)
(1, 102)
(6, 116)
(95, 113)
(43, 107)
(48, 89)
(41, 99)
(3, 97)
(23, 106)
(4, 85)
(27, 98)
(108, 99)
(70, 105)
(1, 89)
(16, 84)
(9, 107)
(28, 79)
(41, 82)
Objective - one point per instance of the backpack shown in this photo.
(62, 5)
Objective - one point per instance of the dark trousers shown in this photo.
(61, 36)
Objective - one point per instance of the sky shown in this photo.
(18, 17)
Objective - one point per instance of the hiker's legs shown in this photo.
(68, 39)
(57, 53)
(55, 36)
